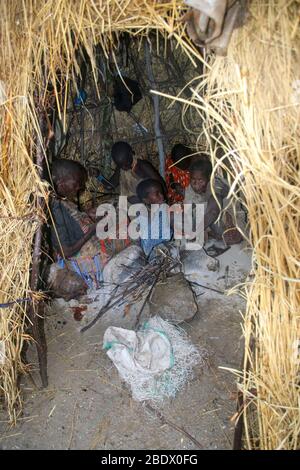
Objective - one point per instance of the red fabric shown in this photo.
(179, 176)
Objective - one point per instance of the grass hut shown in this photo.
(248, 104)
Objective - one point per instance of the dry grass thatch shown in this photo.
(250, 110)
(39, 48)
(250, 102)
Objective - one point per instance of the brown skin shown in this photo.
(69, 251)
(199, 184)
(154, 196)
(176, 186)
(69, 188)
(143, 169)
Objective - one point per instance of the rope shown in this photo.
(17, 301)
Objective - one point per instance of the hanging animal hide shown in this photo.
(210, 22)
(126, 93)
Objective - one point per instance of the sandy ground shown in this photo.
(86, 406)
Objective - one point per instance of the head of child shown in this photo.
(179, 155)
(150, 191)
(200, 173)
(69, 177)
(122, 155)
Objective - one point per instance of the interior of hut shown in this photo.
(136, 339)
(132, 285)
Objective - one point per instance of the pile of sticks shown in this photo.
(138, 287)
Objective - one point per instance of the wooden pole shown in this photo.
(239, 428)
(35, 311)
(155, 98)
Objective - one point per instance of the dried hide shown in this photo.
(210, 22)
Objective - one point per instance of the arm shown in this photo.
(108, 184)
(66, 237)
(70, 250)
(147, 170)
(112, 182)
(133, 199)
(212, 212)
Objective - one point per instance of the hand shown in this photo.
(92, 213)
(91, 231)
(178, 188)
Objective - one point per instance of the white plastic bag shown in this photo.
(146, 351)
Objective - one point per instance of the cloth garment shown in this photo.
(178, 176)
(225, 227)
(70, 223)
(129, 181)
(70, 226)
(155, 229)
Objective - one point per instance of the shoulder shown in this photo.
(188, 194)
(59, 210)
(144, 163)
(56, 206)
(145, 166)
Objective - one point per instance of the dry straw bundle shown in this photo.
(41, 44)
(250, 103)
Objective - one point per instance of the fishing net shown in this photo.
(151, 375)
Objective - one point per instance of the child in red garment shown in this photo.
(177, 174)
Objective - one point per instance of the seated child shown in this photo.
(156, 228)
(200, 191)
(129, 171)
(177, 174)
(73, 232)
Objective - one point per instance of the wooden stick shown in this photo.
(164, 420)
(35, 316)
(207, 287)
(155, 98)
(147, 297)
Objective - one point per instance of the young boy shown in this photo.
(156, 228)
(73, 231)
(129, 171)
(200, 191)
(72, 228)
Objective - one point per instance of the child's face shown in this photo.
(71, 186)
(154, 196)
(125, 163)
(198, 182)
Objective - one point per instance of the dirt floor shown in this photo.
(86, 406)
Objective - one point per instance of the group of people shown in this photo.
(187, 180)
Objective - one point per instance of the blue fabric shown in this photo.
(158, 231)
(100, 178)
(80, 98)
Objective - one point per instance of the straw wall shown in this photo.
(251, 105)
(38, 47)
